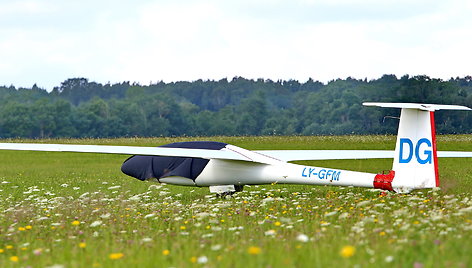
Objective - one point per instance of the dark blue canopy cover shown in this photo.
(144, 167)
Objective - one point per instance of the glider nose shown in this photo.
(138, 166)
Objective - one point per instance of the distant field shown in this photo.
(79, 210)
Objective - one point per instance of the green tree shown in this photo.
(16, 120)
(252, 114)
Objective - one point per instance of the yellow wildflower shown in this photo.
(75, 223)
(254, 250)
(165, 252)
(28, 227)
(14, 258)
(116, 256)
(82, 245)
(277, 223)
(347, 251)
(193, 259)
(21, 228)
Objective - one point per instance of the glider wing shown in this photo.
(299, 155)
(225, 153)
(127, 150)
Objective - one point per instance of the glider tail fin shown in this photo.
(415, 164)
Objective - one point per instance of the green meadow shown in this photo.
(79, 210)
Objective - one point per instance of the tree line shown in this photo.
(80, 108)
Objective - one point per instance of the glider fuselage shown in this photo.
(267, 170)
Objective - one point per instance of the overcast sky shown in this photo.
(48, 41)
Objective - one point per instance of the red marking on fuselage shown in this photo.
(384, 181)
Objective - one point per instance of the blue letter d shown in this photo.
(410, 155)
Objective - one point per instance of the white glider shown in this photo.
(227, 168)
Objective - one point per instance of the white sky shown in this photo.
(49, 41)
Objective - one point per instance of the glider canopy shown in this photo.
(144, 167)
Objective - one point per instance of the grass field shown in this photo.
(79, 210)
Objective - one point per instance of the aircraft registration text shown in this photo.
(321, 173)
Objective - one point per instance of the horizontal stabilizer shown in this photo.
(418, 106)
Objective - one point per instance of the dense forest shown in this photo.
(238, 106)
